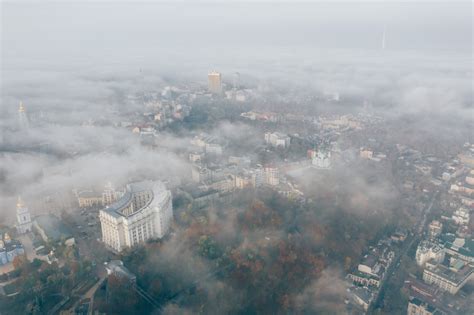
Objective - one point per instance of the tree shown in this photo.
(20, 262)
(208, 247)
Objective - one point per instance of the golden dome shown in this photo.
(19, 203)
(22, 108)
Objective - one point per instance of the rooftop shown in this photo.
(155, 188)
(116, 267)
(456, 277)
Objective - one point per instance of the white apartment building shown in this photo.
(272, 176)
(446, 278)
(277, 139)
(429, 251)
(143, 212)
(461, 216)
(322, 160)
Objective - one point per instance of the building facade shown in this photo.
(277, 139)
(272, 176)
(447, 279)
(429, 251)
(143, 212)
(418, 307)
(322, 160)
(215, 82)
(23, 217)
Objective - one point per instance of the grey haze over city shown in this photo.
(372, 100)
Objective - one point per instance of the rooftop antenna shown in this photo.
(383, 37)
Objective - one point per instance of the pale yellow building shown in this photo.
(215, 82)
(87, 199)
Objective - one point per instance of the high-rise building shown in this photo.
(215, 82)
(23, 217)
(22, 117)
(143, 212)
(236, 81)
(272, 175)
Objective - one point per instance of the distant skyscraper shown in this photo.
(22, 117)
(236, 81)
(215, 82)
(23, 217)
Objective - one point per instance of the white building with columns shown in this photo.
(143, 212)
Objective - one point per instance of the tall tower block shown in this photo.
(215, 82)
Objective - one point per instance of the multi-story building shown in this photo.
(277, 139)
(461, 216)
(215, 82)
(435, 228)
(110, 194)
(223, 184)
(461, 248)
(245, 179)
(23, 217)
(446, 278)
(213, 148)
(89, 198)
(429, 251)
(143, 212)
(195, 157)
(322, 160)
(419, 307)
(362, 296)
(370, 265)
(364, 279)
(200, 173)
(366, 153)
(272, 176)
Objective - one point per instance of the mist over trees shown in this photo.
(88, 72)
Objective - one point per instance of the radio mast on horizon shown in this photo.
(384, 37)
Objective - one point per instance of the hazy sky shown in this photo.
(92, 34)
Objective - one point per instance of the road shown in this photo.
(89, 295)
(85, 227)
(409, 242)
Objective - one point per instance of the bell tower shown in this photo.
(23, 217)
